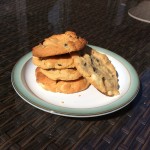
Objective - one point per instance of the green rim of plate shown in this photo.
(29, 97)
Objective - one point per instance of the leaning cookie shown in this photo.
(59, 44)
(61, 74)
(66, 87)
(98, 70)
(58, 62)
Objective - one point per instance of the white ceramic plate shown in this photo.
(88, 103)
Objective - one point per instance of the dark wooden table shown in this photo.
(104, 23)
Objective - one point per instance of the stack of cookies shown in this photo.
(55, 70)
(66, 64)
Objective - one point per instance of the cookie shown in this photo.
(66, 87)
(59, 44)
(58, 62)
(98, 70)
(61, 74)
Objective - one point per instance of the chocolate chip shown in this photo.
(59, 65)
(95, 69)
(85, 64)
(97, 60)
(65, 45)
(103, 79)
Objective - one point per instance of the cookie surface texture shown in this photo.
(98, 70)
(57, 62)
(59, 44)
(66, 87)
(61, 74)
